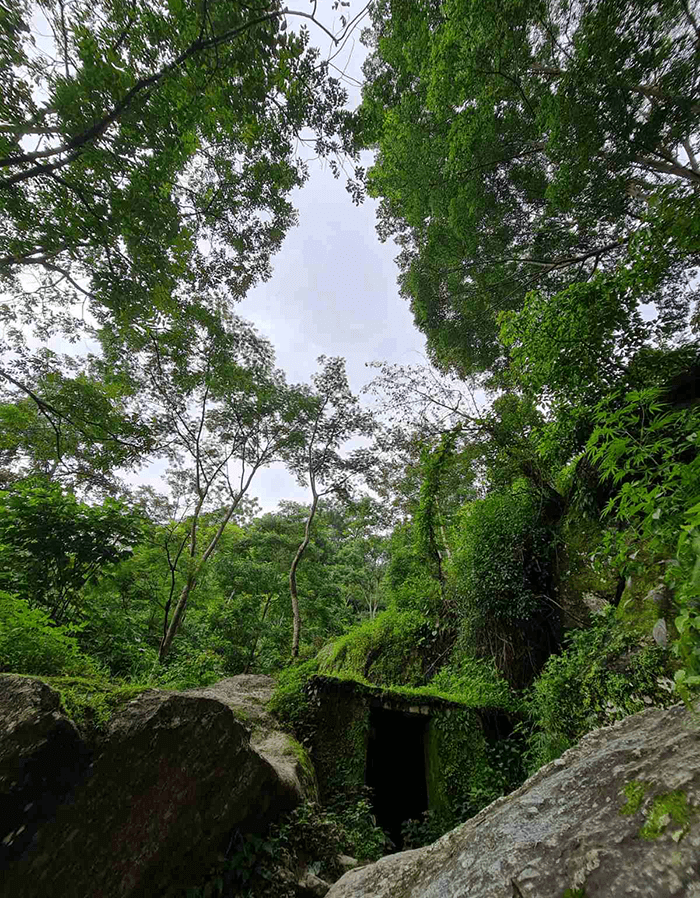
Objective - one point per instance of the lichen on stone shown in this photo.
(634, 791)
(671, 808)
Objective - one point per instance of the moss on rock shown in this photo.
(634, 791)
(670, 808)
(584, 582)
(457, 764)
(91, 703)
(396, 648)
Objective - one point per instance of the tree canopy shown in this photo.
(147, 152)
(526, 149)
(515, 531)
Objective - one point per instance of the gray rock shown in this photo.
(570, 826)
(175, 773)
(312, 886)
(42, 758)
(660, 633)
(248, 695)
(345, 862)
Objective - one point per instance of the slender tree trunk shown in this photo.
(194, 575)
(177, 616)
(296, 630)
(257, 635)
(443, 533)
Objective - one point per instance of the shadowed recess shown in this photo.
(396, 768)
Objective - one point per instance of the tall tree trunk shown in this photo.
(193, 576)
(257, 635)
(167, 640)
(296, 630)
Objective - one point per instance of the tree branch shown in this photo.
(75, 145)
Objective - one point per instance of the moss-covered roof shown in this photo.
(400, 698)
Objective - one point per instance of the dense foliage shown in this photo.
(132, 136)
(528, 150)
(515, 533)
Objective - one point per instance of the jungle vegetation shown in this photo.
(537, 164)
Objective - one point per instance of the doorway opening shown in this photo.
(396, 768)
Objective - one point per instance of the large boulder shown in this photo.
(248, 696)
(617, 815)
(144, 810)
(42, 760)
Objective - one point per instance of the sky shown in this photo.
(333, 292)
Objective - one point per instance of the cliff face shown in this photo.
(619, 814)
(146, 808)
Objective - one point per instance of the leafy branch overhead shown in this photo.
(527, 151)
(147, 150)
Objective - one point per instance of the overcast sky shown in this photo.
(333, 292)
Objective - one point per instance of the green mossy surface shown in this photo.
(579, 571)
(91, 703)
(393, 649)
(306, 764)
(465, 770)
(637, 611)
(669, 810)
(290, 702)
(634, 791)
(457, 764)
(339, 744)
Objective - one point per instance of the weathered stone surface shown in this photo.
(175, 772)
(571, 826)
(312, 886)
(248, 695)
(42, 758)
(660, 633)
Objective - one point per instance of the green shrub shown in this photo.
(363, 839)
(474, 681)
(290, 703)
(310, 837)
(116, 633)
(605, 674)
(31, 644)
(685, 578)
(409, 583)
(648, 451)
(51, 545)
(501, 576)
(189, 667)
(467, 770)
(502, 556)
(396, 648)
(432, 825)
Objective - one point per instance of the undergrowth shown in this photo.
(308, 840)
(604, 675)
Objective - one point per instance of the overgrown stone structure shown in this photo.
(416, 752)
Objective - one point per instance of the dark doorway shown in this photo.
(396, 768)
